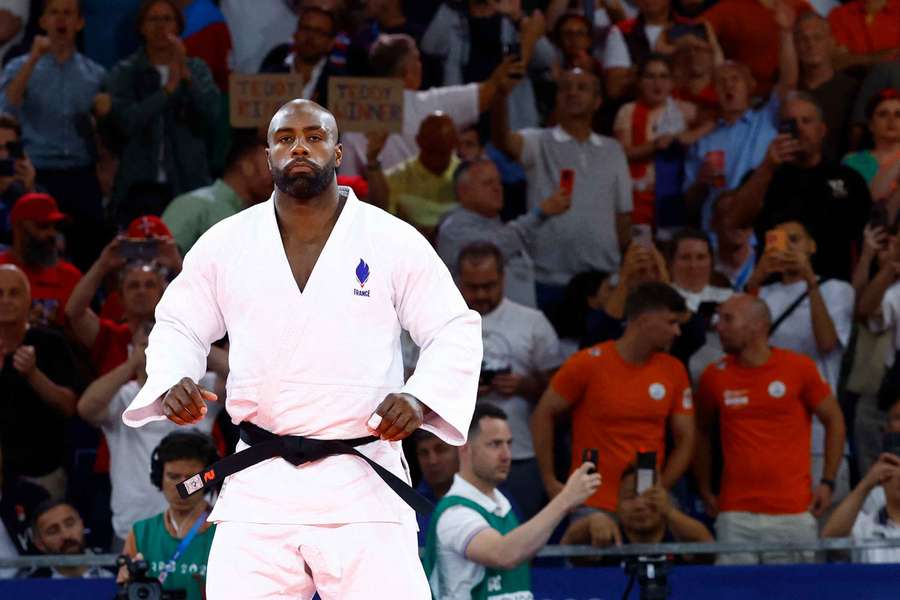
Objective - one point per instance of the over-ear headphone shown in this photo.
(181, 445)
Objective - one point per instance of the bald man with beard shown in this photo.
(37, 388)
(313, 288)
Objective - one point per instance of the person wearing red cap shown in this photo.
(34, 218)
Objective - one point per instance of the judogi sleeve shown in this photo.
(188, 321)
(449, 334)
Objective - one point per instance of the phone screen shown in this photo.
(646, 471)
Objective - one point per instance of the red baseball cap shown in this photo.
(36, 206)
(148, 226)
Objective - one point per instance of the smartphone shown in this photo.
(646, 471)
(139, 249)
(592, 456)
(776, 240)
(789, 127)
(642, 234)
(514, 49)
(7, 167)
(15, 149)
(879, 215)
(679, 30)
(891, 443)
(487, 375)
(567, 180)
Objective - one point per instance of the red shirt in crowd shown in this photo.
(861, 33)
(50, 289)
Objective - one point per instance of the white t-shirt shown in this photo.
(879, 526)
(20, 9)
(617, 54)
(796, 332)
(459, 102)
(888, 317)
(522, 339)
(256, 28)
(710, 293)
(133, 496)
(455, 529)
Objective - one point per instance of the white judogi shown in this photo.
(317, 363)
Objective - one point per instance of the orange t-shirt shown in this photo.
(860, 33)
(765, 416)
(619, 409)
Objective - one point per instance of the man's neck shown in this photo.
(814, 76)
(305, 67)
(62, 51)
(734, 257)
(732, 116)
(441, 490)
(238, 184)
(184, 519)
(436, 165)
(479, 484)
(306, 220)
(577, 127)
(72, 572)
(755, 354)
(632, 348)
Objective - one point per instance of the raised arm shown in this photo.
(15, 89)
(543, 420)
(788, 69)
(84, 322)
(507, 141)
(93, 406)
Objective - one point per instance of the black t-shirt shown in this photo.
(832, 201)
(836, 97)
(31, 431)
(17, 504)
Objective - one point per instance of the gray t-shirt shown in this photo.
(584, 237)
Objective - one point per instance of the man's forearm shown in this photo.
(500, 127)
(840, 523)
(678, 463)
(822, 325)
(703, 463)
(835, 435)
(94, 402)
(15, 91)
(542, 436)
(60, 398)
(788, 69)
(686, 529)
(873, 293)
(523, 542)
(748, 199)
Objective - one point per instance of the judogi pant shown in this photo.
(352, 561)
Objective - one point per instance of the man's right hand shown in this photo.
(580, 486)
(508, 74)
(887, 466)
(783, 149)
(185, 402)
(110, 259)
(40, 46)
(556, 204)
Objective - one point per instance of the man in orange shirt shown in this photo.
(764, 398)
(622, 394)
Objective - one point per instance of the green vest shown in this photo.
(158, 547)
(497, 584)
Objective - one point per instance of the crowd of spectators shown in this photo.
(678, 221)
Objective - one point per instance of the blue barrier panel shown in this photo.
(822, 582)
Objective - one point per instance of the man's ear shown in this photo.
(338, 154)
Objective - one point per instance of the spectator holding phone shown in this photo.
(521, 352)
(880, 165)
(475, 543)
(17, 174)
(622, 396)
(795, 182)
(35, 250)
(55, 91)
(594, 232)
(763, 398)
(644, 515)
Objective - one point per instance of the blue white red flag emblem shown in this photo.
(362, 273)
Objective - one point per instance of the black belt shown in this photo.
(296, 450)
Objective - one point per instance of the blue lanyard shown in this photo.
(182, 546)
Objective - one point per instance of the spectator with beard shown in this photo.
(37, 389)
(308, 56)
(58, 529)
(438, 462)
(20, 180)
(34, 219)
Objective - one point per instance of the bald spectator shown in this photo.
(720, 160)
(37, 389)
(35, 249)
(764, 398)
(164, 109)
(307, 56)
(795, 182)
(246, 181)
(594, 232)
(480, 196)
(420, 189)
(397, 57)
(59, 529)
(833, 90)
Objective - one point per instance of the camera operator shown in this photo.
(58, 529)
(176, 542)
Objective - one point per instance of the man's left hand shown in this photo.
(25, 360)
(401, 414)
(821, 500)
(507, 383)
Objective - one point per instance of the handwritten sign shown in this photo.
(255, 98)
(366, 103)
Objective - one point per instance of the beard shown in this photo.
(304, 186)
(40, 253)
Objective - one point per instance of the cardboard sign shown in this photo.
(366, 103)
(254, 99)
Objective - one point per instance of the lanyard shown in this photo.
(182, 546)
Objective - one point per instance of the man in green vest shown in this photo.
(475, 547)
(176, 542)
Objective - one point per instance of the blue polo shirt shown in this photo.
(56, 111)
(744, 142)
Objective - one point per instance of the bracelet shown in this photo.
(828, 482)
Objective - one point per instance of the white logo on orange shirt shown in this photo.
(777, 389)
(736, 398)
(657, 391)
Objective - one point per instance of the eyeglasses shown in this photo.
(314, 31)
